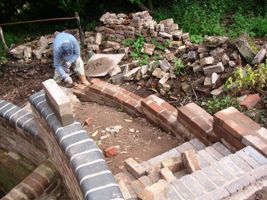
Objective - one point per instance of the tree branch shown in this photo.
(144, 8)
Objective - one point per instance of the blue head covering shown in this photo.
(66, 48)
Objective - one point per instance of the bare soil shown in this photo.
(145, 142)
(259, 195)
(19, 80)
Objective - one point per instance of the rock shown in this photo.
(213, 68)
(38, 53)
(250, 101)
(207, 61)
(225, 59)
(214, 78)
(166, 87)
(157, 73)
(245, 49)
(169, 56)
(131, 75)
(217, 91)
(214, 41)
(197, 67)
(232, 63)
(164, 79)
(149, 49)
(164, 65)
(203, 89)
(192, 56)
(259, 57)
(98, 38)
(111, 151)
(242, 98)
(207, 81)
(153, 65)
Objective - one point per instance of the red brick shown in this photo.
(38, 189)
(134, 168)
(111, 151)
(197, 117)
(255, 141)
(236, 123)
(89, 121)
(39, 178)
(27, 191)
(155, 107)
(190, 161)
(109, 91)
(250, 101)
(222, 133)
(168, 106)
(121, 97)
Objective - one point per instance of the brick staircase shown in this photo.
(221, 173)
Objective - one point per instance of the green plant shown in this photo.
(248, 78)
(137, 47)
(219, 103)
(178, 66)
(196, 39)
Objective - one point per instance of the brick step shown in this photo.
(239, 130)
(164, 115)
(222, 178)
(168, 166)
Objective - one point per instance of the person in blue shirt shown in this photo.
(66, 52)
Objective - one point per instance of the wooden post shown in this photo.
(80, 29)
(3, 40)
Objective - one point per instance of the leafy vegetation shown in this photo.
(178, 66)
(219, 103)
(217, 17)
(248, 78)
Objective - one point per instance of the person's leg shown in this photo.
(79, 70)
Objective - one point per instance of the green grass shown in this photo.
(221, 17)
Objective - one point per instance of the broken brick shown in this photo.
(111, 151)
(250, 101)
(190, 161)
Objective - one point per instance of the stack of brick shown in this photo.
(239, 130)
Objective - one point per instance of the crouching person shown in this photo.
(66, 52)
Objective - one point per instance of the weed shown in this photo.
(178, 66)
(248, 78)
(219, 103)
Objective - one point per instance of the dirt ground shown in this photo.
(19, 80)
(259, 195)
(137, 138)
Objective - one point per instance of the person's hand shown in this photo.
(69, 80)
(68, 64)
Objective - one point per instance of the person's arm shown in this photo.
(76, 51)
(57, 63)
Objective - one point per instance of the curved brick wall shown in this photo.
(85, 159)
(17, 130)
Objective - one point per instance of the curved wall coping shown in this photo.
(95, 179)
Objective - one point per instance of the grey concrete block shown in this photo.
(203, 180)
(231, 166)
(255, 155)
(214, 176)
(239, 183)
(221, 149)
(215, 154)
(197, 144)
(183, 190)
(240, 162)
(204, 154)
(192, 185)
(253, 163)
(223, 171)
